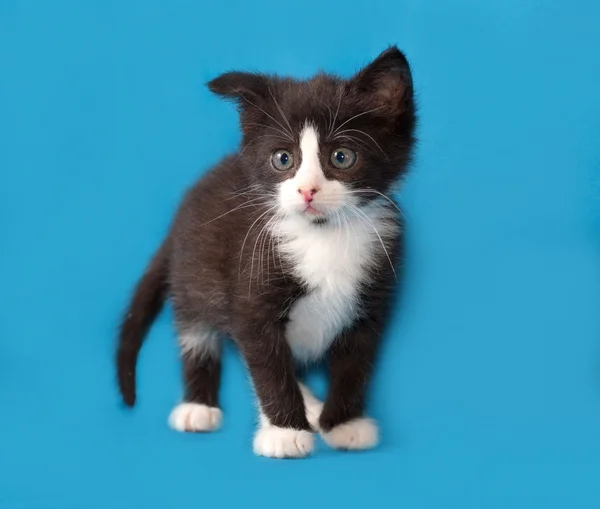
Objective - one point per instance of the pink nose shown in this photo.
(308, 193)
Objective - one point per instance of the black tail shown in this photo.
(147, 302)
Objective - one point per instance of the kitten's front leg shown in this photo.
(284, 431)
(343, 424)
(313, 406)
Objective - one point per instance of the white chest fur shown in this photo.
(334, 263)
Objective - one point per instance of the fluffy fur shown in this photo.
(291, 248)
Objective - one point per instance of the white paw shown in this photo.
(356, 434)
(274, 442)
(195, 417)
(314, 407)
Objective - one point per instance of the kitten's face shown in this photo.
(325, 147)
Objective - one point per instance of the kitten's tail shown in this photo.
(147, 302)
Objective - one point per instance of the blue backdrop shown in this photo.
(489, 390)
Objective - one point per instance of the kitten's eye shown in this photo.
(343, 158)
(282, 160)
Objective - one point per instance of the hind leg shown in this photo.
(201, 356)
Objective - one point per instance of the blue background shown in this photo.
(489, 390)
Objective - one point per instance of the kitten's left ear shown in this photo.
(386, 83)
(240, 86)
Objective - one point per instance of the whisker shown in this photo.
(252, 193)
(283, 215)
(242, 206)
(280, 110)
(269, 210)
(251, 186)
(358, 191)
(259, 261)
(252, 189)
(368, 136)
(361, 143)
(344, 221)
(262, 249)
(354, 117)
(273, 119)
(336, 114)
(330, 122)
(337, 215)
(271, 248)
(351, 223)
(254, 141)
(358, 211)
(244, 149)
(266, 126)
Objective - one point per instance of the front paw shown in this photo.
(192, 417)
(313, 406)
(274, 442)
(357, 434)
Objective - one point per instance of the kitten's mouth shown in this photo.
(313, 214)
(310, 210)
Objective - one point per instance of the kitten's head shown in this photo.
(325, 145)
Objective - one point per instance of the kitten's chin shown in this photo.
(309, 214)
(314, 215)
(319, 220)
(311, 211)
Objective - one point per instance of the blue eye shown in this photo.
(342, 158)
(282, 160)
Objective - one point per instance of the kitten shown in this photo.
(290, 248)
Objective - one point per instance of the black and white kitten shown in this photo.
(289, 248)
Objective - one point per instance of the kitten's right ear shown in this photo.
(240, 86)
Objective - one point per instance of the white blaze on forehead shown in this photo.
(328, 195)
(310, 174)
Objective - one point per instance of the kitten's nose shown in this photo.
(308, 193)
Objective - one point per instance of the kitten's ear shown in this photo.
(386, 83)
(240, 86)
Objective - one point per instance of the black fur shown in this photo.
(148, 300)
(204, 265)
